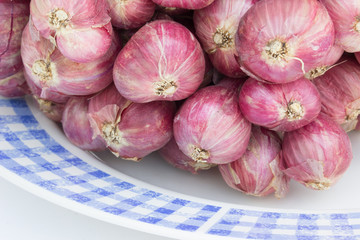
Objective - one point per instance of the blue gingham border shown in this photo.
(28, 151)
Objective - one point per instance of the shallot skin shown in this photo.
(76, 125)
(130, 14)
(72, 25)
(14, 85)
(317, 154)
(187, 4)
(50, 70)
(209, 126)
(280, 107)
(340, 93)
(258, 171)
(162, 61)
(345, 15)
(216, 26)
(279, 41)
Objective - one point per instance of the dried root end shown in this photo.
(295, 110)
(165, 88)
(45, 105)
(58, 18)
(134, 159)
(111, 134)
(316, 72)
(42, 69)
(223, 38)
(276, 50)
(357, 24)
(201, 165)
(353, 115)
(199, 155)
(317, 185)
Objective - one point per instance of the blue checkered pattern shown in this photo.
(29, 152)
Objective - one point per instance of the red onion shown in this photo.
(173, 155)
(13, 18)
(216, 27)
(317, 154)
(280, 107)
(345, 15)
(130, 130)
(327, 63)
(340, 93)
(73, 25)
(258, 172)
(130, 14)
(162, 61)
(187, 4)
(77, 127)
(50, 70)
(209, 127)
(279, 41)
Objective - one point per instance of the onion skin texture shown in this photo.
(50, 70)
(275, 37)
(221, 20)
(317, 154)
(210, 128)
(340, 93)
(130, 130)
(174, 156)
(76, 125)
(345, 16)
(187, 4)
(280, 107)
(50, 109)
(131, 14)
(162, 61)
(71, 25)
(14, 85)
(258, 171)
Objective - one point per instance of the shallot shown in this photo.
(72, 25)
(280, 107)
(279, 41)
(187, 4)
(258, 171)
(340, 93)
(162, 61)
(130, 130)
(216, 27)
(209, 127)
(317, 154)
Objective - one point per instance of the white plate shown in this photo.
(153, 197)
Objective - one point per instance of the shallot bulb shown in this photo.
(13, 18)
(162, 61)
(130, 14)
(52, 110)
(216, 27)
(130, 130)
(279, 41)
(187, 4)
(76, 125)
(280, 107)
(346, 17)
(50, 70)
(173, 155)
(340, 93)
(258, 171)
(209, 127)
(72, 25)
(317, 154)
(329, 61)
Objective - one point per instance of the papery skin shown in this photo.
(224, 15)
(267, 104)
(345, 14)
(174, 156)
(304, 26)
(13, 17)
(65, 76)
(187, 4)
(340, 93)
(130, 13)
(257, 172)
(88, 21)
(160, 52)
(52, 110)
(76, 125)
(140, 128)
(210, 123)
(317, 154)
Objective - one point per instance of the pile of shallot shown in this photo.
(265, 90)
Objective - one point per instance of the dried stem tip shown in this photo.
(199, 155)
(58, 18)
(295, 110)
(317, 185)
